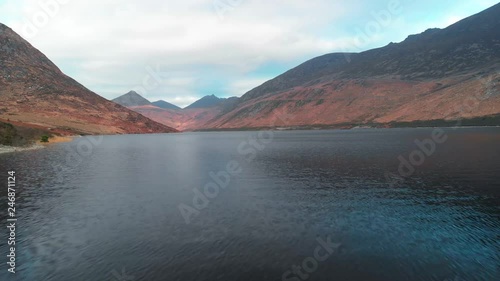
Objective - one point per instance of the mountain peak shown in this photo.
(206, 102)
(34, 92)
(132, 98)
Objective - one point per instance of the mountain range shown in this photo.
(192, 117)
(132, 98)
(435, 75)
(165, 105)
(433, 78)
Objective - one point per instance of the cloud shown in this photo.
(201, 46)
(183, 101)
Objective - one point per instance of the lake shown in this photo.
(367, 204)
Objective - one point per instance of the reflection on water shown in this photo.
(114, 215)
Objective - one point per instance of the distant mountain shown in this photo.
(35, 93)
(165, 105)
(428, 79)
(206, 102)
(131, 98)
(429, 76)
(193, 117)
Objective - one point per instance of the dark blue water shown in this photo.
(108, 209)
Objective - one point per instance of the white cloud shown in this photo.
(111, 45)
(104, 43)
(182, 101)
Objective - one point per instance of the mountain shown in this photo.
(194, 117)
(165, 105)
(435, 75)
(131, 98)
(206, 102)
(35, 93)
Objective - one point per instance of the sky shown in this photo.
(180, 51)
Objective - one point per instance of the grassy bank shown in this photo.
(11, 135)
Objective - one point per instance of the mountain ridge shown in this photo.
(35, 92)
(165, 105)
(399, 82)
(206, 102)
(192, 117)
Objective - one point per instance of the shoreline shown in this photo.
(326, 128)
(10, 149)
(57, 139)
(63, 139)
(37, 145)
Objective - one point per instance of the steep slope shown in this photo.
(431, 76)
(131, 98)
(34, 92)
(165, 105)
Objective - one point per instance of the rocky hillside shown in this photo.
(35, 93)
(440, 74)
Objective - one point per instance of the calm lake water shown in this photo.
(108, 209)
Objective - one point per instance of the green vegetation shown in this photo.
(8, 134)
(21, 136)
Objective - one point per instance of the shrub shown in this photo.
(45, 138)
(7, 133)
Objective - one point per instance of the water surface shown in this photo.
(108, 209)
